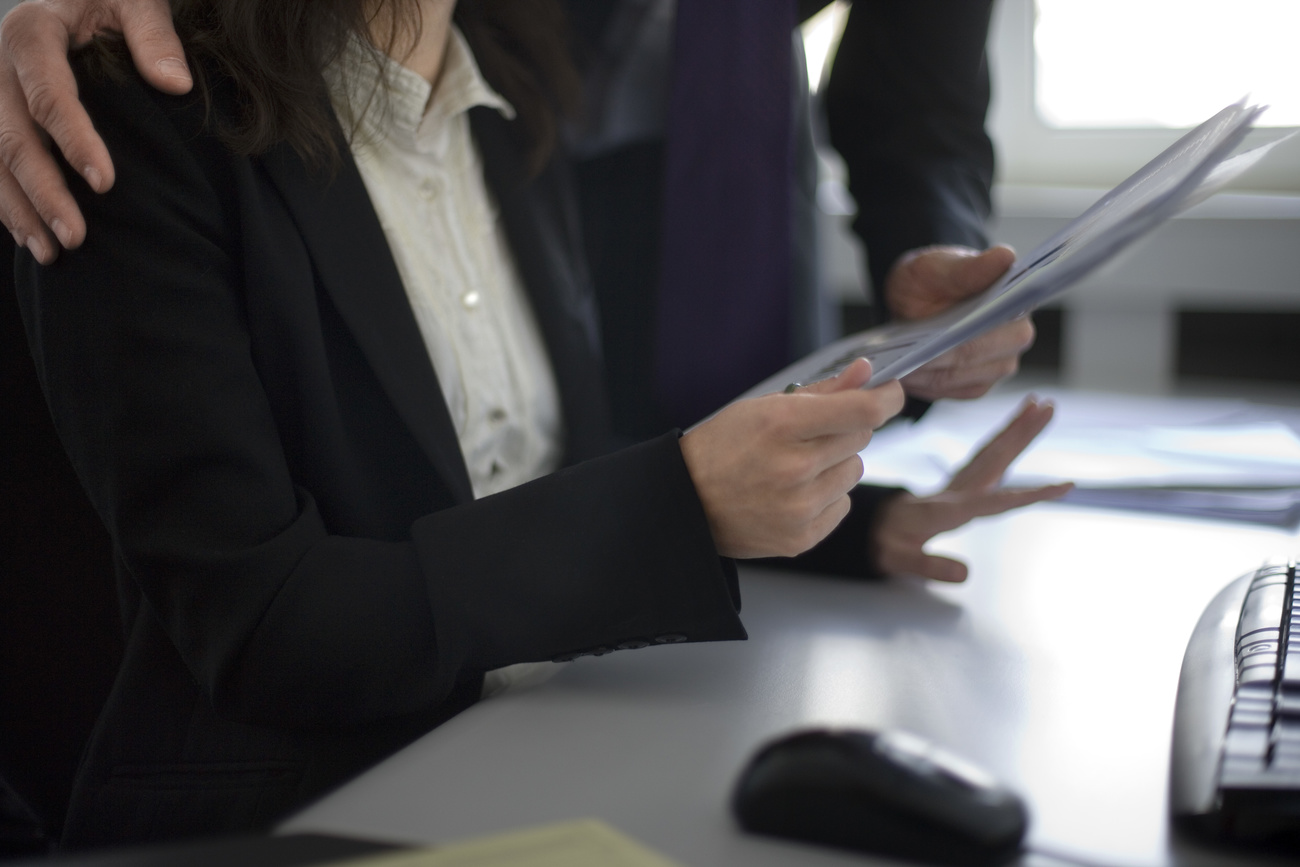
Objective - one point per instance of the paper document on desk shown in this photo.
(1226, 462)
(582, 843)
(1190, 171)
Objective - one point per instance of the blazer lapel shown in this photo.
(354, 264)
(541, 223)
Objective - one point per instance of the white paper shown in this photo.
(1188, 172)
(1215, 459)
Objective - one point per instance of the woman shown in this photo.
(306, 374)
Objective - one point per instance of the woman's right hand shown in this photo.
(773, 473)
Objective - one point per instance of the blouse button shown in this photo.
(430, 188)
(471, 299)
(497, 415)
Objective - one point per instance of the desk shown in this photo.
(1055, 667)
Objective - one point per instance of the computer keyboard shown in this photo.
(1235, 766)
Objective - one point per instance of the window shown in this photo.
(1086, 91)
(1164, 63)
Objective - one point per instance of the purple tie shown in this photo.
(724, 301)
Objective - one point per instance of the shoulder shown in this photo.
(149, 133)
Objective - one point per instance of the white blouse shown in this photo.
(425, 179)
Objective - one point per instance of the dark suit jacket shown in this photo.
(306, 581)
(905, 107)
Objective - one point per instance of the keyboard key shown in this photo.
(1258, 653)
(1257, 675)
(1251, 706)
(1246, 742)
(1288, 758)
(1287, 731)
(1256, 692)
(1291, 669)
(1234, 770)
(1263, 609)
(1241, 716)
(1259, 645)
(1265, 634)
(1286, 767)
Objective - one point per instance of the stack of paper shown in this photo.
(1215, 459)
(1191, 170)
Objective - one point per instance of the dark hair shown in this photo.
(273, 51)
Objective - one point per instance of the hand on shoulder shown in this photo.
(38, 97)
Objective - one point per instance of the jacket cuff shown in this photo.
(847, 550)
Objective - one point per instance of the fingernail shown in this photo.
(174, 67)
(62, 231)
(37, 248)
(93, 177)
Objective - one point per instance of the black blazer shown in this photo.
(306, 582)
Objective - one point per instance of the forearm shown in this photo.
(906, 104)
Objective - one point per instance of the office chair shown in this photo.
(60, 632)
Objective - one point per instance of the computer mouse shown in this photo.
(888, 793)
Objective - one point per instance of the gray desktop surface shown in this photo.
(1055, 667)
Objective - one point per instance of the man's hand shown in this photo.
(773, 473)
(929, 281)
(907, 522)
(38, 97)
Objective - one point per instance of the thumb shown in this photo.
(973, 274)
(154, 45)
(856, 375)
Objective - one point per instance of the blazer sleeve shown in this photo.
(142, 343)
(905, 104)
(847, 551)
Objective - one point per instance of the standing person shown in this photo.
(328, 448)
(670, 179)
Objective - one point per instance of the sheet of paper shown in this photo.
(583, 843)
(1192, 169)
(1208, 458)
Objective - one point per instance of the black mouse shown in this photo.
(885, 793)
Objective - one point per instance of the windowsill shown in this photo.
(1016, 201)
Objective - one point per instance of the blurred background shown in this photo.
(1084, 93)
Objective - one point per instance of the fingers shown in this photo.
(814, 416)
(1007, 341)
(1005, 499)
(974, 274)
(970, 370)
(930, 280)
(38, 91)
(988, 465)
(856, 375)
(154, 45)
(914, 561)
(906, 523)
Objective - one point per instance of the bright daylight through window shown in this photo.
(1164, 63)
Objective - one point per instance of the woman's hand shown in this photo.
(774, 473)
(907, 522)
